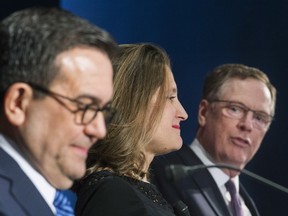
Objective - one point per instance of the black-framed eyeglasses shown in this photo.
(237, 110)
(85, 112)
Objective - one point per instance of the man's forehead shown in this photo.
(251, 92)
(87, 72)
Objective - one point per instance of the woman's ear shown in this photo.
(16, 102)
(202, 112)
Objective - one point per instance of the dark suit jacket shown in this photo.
(198, 191)
(18, 196)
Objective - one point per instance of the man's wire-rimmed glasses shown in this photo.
(236, 110)
(84, 113)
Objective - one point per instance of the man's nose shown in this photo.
(246, 122)
(97, 128)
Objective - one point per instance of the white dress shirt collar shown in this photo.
(218, 175)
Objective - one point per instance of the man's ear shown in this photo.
(16, 102)
(202, 112)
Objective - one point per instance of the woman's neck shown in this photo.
(148, 159)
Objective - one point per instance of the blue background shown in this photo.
(199, 35)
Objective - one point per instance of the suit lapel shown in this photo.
(22, 189)
(207, 187)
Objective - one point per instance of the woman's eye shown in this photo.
(171, 98)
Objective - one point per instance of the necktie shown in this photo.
(62, 204)
(235, 199)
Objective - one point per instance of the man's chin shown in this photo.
(78, 175)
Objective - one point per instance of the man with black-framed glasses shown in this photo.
(56, 82)
(236, 110)
(85, 108)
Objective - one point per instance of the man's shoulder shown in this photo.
(14, 190)
(8, 166)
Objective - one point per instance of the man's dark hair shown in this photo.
(31, 39)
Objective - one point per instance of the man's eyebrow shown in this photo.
(93, 99)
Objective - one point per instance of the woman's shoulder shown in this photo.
(103, 190)
(106, 184)
(100, 176)
(103, 180)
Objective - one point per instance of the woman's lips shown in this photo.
(176, 126)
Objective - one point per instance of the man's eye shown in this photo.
(236, 109)
(82, 106)
(258, 118)
(261, 118)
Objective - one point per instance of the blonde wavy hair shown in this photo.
(140, 71)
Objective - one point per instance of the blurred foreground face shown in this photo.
(167, 137)
(58, 144)
(233, 126)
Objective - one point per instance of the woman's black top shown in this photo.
(106, 194)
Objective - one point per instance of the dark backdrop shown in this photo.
(9, 6)
(199, 35)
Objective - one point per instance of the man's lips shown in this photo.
(81, 150)
(241, 141)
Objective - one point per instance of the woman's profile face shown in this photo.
(167, 136)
